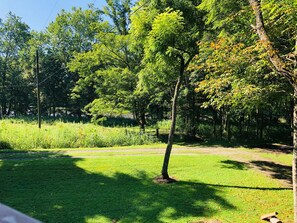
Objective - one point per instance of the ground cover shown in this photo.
(21, 134)
(95, 185)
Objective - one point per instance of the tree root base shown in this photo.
(163, 180)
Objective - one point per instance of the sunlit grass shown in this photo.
(120, 188)
(285, 159)
(25, 135)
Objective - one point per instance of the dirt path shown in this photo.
(238, 157)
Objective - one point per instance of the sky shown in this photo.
(39, 13)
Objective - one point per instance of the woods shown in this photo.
(131, 62)
(214, 70)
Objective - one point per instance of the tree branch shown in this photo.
(272, 52)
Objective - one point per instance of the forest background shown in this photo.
(128, 65)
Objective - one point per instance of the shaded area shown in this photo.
(5, 145)
(268, 147)
(182, 139)
(232, 164)
(29, 155)
(275, 170)
(251, 188)
(280, 148)
(57, 190)
(20, 156)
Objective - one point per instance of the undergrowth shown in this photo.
(19, 134)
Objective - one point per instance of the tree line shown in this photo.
(136, 61)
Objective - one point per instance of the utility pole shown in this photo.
(38, 90)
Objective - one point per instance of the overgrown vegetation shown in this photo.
(19, 134)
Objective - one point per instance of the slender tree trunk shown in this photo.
(257, 123)
(248, 123)
(272, 52)
(221, 123)
(142, 121)
(164, 172)
(241, 121)
(294, 164)
(214, 122)
(4, 101)
(9, 109)
(281, 68)
(191, 112)
(1, 112)
(261, 124)
(228, 125)
(192, 115)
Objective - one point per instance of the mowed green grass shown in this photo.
(119, 188)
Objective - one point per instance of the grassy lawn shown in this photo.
(117, 186)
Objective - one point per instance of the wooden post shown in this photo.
(38, 90)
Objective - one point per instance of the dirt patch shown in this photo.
(211, 221)
(162, 180)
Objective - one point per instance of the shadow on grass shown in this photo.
(250, 188)
(232, 164)
(277, 171)
(284, 147)
(280, 148)
(57, 190)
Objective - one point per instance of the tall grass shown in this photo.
(19, 134)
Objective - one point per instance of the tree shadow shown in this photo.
(52, 188)
(232, 164)
(251, 188)
(277, 171)
(268, 147)
(210, 142)
(280, 148)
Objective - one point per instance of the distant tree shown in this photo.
(70, 33)
(111, 68)
(119, 12)
(14, 35)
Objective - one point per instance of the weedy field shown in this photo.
(21, 134)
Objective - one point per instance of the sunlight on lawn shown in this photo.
(228, 190)
(121, 188)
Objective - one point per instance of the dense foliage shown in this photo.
(130, 63)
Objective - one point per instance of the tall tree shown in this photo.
(14, 34)
(275, 26)
(110, 67)
(169, 37)
(289, 72)
(71, 32)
